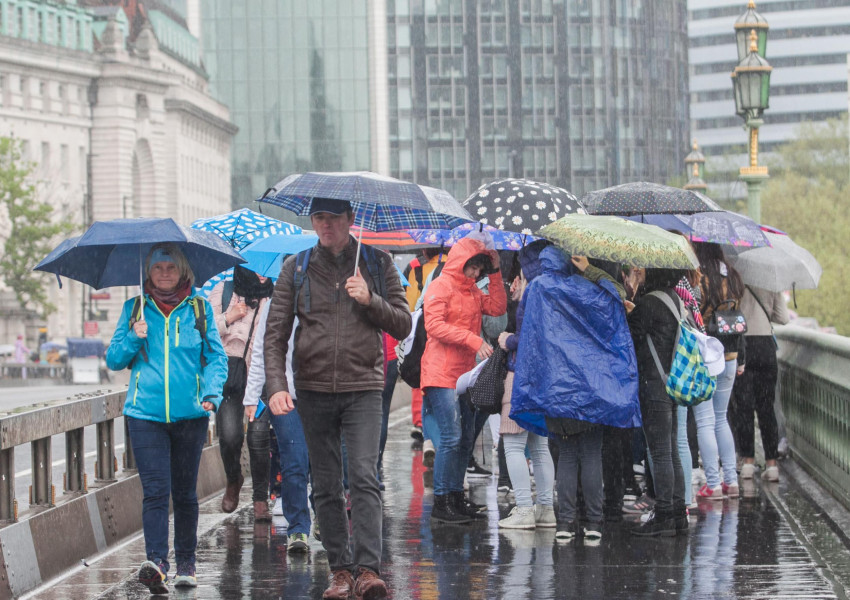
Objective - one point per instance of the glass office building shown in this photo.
(579, 93)
(295, 76)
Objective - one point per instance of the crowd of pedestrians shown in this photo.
(310, 363)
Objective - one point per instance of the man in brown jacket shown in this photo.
(338, 373)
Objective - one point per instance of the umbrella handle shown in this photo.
(141, 287)
(359, 243)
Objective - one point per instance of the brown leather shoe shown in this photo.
(369, 586)
(341, 586)
(261, 511)
(231, 495)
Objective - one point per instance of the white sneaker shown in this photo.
(592, 532)
(277, 510)
(748, 471)
(428, 453)
(521, 517)
(544, 517)
(771, 474)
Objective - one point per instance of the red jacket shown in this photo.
(453, 309)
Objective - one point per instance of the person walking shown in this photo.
(237, 305)
(453, 310)
(178, 369)
(338, 375)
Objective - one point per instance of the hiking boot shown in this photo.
(467, 507)
(444, 511)
(428, 454)
(261, 511)
(369, 586)
(658, 525)
(340, 586)
(544, 517)
(298, 543)
(154, 576)
(185, 576)
(521, 517)
(474, 470)
(231, 495)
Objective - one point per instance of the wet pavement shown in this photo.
(772, 544)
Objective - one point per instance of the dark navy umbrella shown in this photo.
(112, 253)
(643, 198)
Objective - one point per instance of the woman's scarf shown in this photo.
(246, 283)
(166, 301)
(686, 293)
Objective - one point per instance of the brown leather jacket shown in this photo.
(338, 344)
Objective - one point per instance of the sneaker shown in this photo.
(277, 511)
(476, 470)
(682, 525)
(185, 576)
(521, 517)
(698, 476)
(593, 531)
(656, 527)
(639, 506)
(428, 454)
(369, 586)
(416, 433)
(566, 531)
(638, 469)
(771, 474)
(298, 543)
(154, 576)
(505, 488)
(730, 491)
(316, 533)
(782, 448)
(708, 493)
(748, 471)
(544, 517)
(340, 586)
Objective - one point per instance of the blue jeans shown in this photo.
(168, 456)
(713, 431)
(294, 469)
(684, 450)
(441, 412)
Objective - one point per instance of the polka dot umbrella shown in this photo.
(521, 205)
(644, 198)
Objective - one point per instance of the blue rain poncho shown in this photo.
(575, 358)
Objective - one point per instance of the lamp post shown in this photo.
(751, 85)
(695, 163)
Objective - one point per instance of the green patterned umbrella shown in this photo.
(621, 241)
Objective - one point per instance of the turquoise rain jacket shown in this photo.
(575, 358)
(171, 384)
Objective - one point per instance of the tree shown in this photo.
(31, 229)
(807, 197)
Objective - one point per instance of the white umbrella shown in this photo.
(784, 265)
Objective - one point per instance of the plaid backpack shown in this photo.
(688, 382)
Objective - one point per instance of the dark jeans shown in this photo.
(617, 469)
(580, 455)
(294, 470)
(755, 393)
(659, 427)
(168, 456)
(386, 400)
(441, 417)
(471, 423)
(231, 431)
(327, 419)
(259, 452)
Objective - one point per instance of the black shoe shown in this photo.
(682, 525)
(416, 434)
(476, 470)
(444, 511)
(658, 525)
(466, 507)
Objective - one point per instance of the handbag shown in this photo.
(489, 389)
(726, 322)
(237, 368)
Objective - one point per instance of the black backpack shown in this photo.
(199, 306)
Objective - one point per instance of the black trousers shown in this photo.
(755, 393)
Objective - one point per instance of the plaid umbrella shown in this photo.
(380, 203)
(502, 240)
(391, 241)
(520, 205)
(646, 198)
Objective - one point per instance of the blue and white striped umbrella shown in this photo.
(380, 203)
(240, 228)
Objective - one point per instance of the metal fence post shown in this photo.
(41, 492)
(75, 466)
(7, 485)
(104, 469)
(129, 456)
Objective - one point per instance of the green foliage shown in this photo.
(31, 234)
(806, 197)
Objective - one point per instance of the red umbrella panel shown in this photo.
(389, 241)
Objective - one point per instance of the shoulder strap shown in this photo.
(419, 279)
(764, 310)
(135, 315)
(376, 271)
(678, 311)
(226, 294)
(437, 270)
(199, 306)
(302, 261)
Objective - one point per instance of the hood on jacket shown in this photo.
(554, 259)
(529, 259)
(461, 252)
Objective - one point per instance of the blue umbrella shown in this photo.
(266, 255)
(502, 240)
(112, 253)
(241, 227)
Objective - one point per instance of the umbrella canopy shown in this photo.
(390, 241)
(622, 241)
(111, 253)
(784, 265)
(502, 240)
(642, 198)
(241, 227)
(725, 227)
(520, 205)
(380, 203)
(265, 256)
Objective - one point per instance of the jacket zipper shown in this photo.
(336, 366)
(177, 338)
(167, 382)
(136, 391)
(198, 389)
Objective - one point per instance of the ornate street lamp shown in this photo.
(746, 23)
(695, 163)
(751, 86)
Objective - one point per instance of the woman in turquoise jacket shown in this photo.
(178, 370)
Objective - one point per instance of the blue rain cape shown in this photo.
(575, 358)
